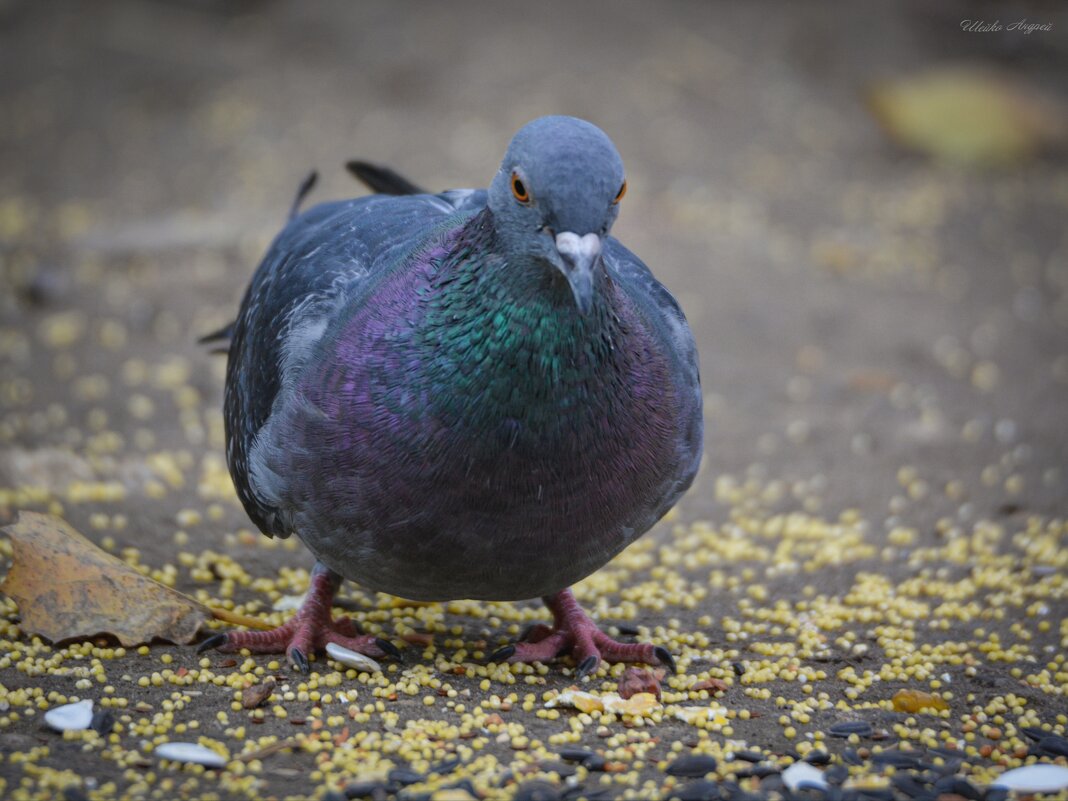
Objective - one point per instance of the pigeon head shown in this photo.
(556, 196)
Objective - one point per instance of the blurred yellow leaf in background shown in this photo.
(969, 116)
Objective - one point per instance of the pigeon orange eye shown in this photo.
(622, 191)
(519, 189)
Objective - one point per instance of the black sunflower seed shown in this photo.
(701, 790)
(693, 766)
(861, 728)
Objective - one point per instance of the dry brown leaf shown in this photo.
(638, 680)
(273, 748)
(255, 695)
(712, 685)
(67, 588)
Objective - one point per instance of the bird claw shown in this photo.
(665, 658)
(588, 666)
(502, 654)
(574, 633)
(299, 661)
(213, 641)
(389, 649)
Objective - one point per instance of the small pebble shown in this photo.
(71, 717)
(190, 752)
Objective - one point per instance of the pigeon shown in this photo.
(478, 394)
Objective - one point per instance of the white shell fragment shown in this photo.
(802, 773)
(637, 704)
(713, 714)
(289, 603)
(352, 659)
(1034, 779)
(70, 717)
(190, 752)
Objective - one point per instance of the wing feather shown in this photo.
(321, 259)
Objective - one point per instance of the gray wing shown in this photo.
(663, 313)
(321, 259)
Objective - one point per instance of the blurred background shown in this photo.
(861, 208)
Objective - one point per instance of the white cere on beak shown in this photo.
(579, 255)
(578, 248)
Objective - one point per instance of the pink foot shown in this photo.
(573, 632)
(307, 632)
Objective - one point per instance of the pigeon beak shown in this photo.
(579, 255)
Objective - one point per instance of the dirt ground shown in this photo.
(884, 350)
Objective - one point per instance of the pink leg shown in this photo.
(306, 632)
(574, 632)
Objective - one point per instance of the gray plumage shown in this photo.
(465, 394)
